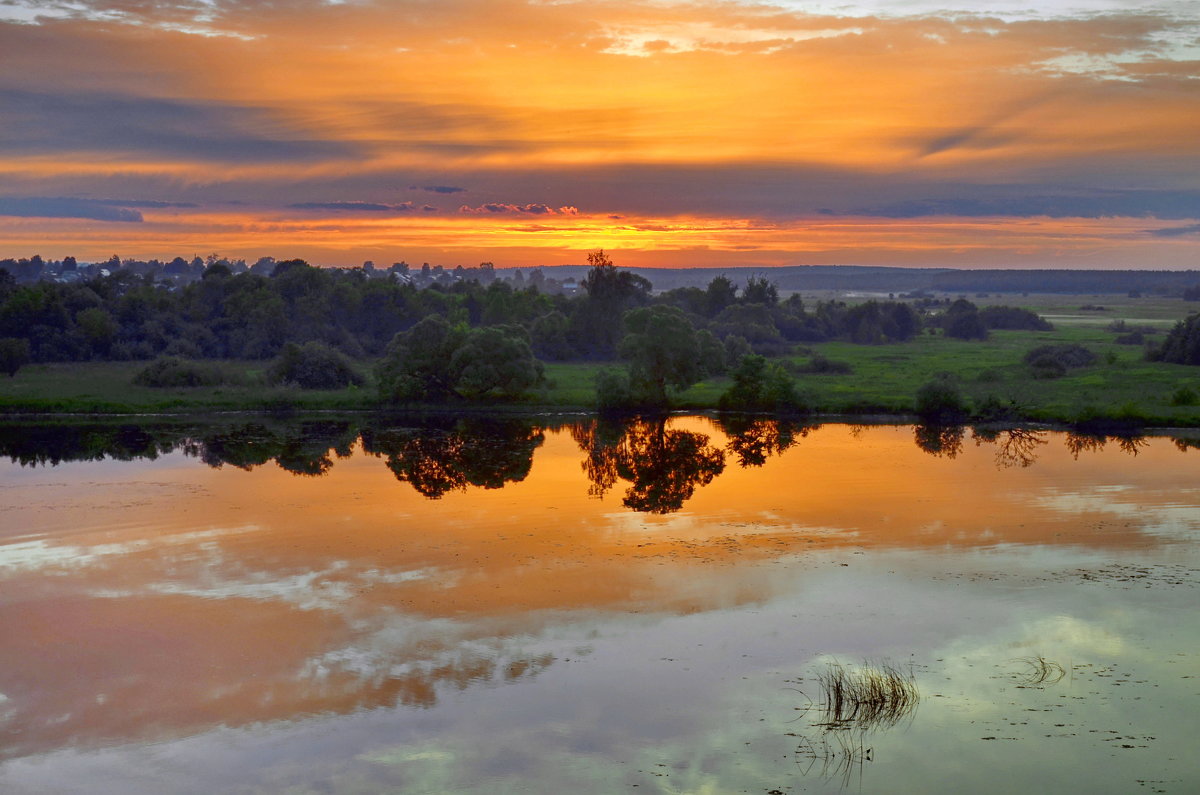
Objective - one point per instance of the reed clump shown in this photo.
(873, 696)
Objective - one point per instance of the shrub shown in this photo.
(993, 409)
(313, 365)
(761, 386)
(169, 372)
(822, 366)
(1182, 345)
(1184, 396)
(1012, 317)
(14, 354)
(941, 401)
(1053, 361)
(612, 390)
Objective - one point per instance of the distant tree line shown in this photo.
(467, 338)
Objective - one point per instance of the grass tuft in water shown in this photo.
(873, 696)
(1040, 671)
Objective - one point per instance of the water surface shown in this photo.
(514, 607)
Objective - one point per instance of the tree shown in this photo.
(760, 291)
(14, 354)
(1182, 345)
(416, 365)
(495, 359)
(596, 322)
(721, 292)
(663, 352)
(962, 321)
(549, 336)
(606, 284)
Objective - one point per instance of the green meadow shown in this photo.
(883, 379)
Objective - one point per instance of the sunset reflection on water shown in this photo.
(145, 601)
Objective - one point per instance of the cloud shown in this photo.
(371, 207)
(439, 189)
(92, 209)
(1175, 231)
(529, 209)
(39, 123)
(1066, 203)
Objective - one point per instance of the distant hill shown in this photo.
(940, 280)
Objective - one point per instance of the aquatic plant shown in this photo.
(1040, 671)
(873, 696)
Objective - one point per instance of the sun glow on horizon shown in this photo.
(758, 134)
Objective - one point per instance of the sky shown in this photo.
(670, 134)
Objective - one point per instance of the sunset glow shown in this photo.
(672, 134)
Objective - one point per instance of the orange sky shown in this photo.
(671, 134)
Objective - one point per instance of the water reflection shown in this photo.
(170, 627)
(454, 454)
(662, 463)
(664, 467)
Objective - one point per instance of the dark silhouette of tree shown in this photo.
(595, 326)
(663, 467)
(721, 292)
(759, 290)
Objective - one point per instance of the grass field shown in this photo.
(883, 379)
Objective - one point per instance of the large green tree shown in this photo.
(663, 351)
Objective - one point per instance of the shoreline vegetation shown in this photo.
(120, 346)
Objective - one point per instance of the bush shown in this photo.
(761, 386)
(612, 390)
(14, 354)
(1184, 396)
(993, 409)
(822, 366)
(1012, 317)
(313, 365)
(941, 401)
(169, 372)
(1182, 345)
(1053, 361)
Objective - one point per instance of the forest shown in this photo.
(475, 337)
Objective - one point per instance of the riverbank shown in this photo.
(1121, 386)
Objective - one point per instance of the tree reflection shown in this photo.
(940, 440)
(754, 440)
(302, 450)
(664, 467)
(1015, 447)
(52, 444)
(450, 457)
(1185, 443)
(1080, 442)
